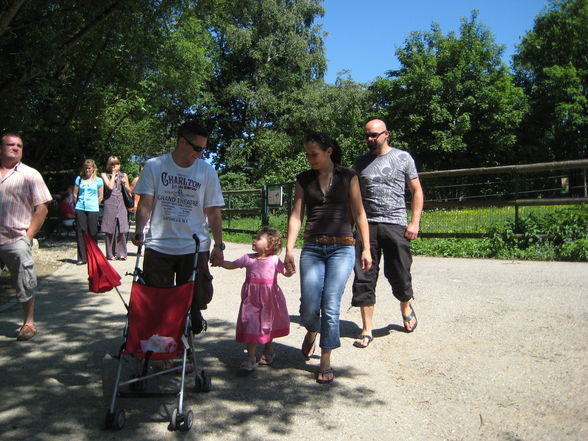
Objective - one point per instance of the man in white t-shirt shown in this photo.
(180, 194)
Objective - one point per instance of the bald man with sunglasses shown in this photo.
(384, 172)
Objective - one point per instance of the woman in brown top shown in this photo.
(330, 196)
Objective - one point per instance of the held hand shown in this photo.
(412, 231)
(289, 264)
(288, 272)
(217, 257)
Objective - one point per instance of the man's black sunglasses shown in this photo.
(197, 148)
(373, 135)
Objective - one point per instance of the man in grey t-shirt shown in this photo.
(383, 175)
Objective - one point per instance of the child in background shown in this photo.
(263, 314)
(66, 207)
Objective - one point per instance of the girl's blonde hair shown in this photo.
(274, 239)
(88, 162)
(112, 160)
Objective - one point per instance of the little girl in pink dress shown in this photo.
(263, 314)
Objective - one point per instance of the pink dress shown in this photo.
(263, 314)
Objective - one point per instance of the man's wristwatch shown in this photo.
(220, 245)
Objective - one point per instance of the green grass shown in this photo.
(471, 220)
(548, 232)
(476, 220)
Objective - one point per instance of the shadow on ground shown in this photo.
(59, 385)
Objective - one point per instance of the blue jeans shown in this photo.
(324, 270)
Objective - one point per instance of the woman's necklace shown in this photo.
(326, 190)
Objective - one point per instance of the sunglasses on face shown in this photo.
(197, 148)
(373, 135)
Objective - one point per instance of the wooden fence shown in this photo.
(487, 189)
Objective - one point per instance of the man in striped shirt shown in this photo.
(24, 200)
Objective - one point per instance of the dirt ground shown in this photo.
(500, 354)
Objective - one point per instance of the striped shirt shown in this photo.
(20, 191)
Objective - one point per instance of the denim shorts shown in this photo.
(18, 257)
(324, 270)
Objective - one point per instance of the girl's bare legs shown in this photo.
(250, 363)
(268, 355)
(251, 351)
(268, 350)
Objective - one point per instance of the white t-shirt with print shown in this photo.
(180, 195)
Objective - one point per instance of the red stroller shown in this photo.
(158, 328)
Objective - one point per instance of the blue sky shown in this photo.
(364, 34)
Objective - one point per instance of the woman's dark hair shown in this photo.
(325, 141)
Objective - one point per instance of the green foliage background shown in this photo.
(549, 233)
(82, 79)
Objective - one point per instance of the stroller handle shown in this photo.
(137, 273)
(195, 237)
(197, 250)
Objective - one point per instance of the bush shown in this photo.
(574, 250)
(454, 247)
(558, 235)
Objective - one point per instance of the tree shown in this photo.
(552, 67)
(265, 50)
(89, 79)
(340, 110)
(453, 102)
(118, 77)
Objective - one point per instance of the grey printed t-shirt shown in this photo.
(383, 182)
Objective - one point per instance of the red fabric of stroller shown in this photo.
(160, 311)
(101, 275)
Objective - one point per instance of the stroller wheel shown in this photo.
(115, 420)
(203, 382)
(186, 425)
(174, 423)
(119, 419)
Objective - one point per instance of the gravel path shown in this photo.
(500, 353)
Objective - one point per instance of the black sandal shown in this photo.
(363, 338)
(307, 348)
(324, 372)
(407, 318)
